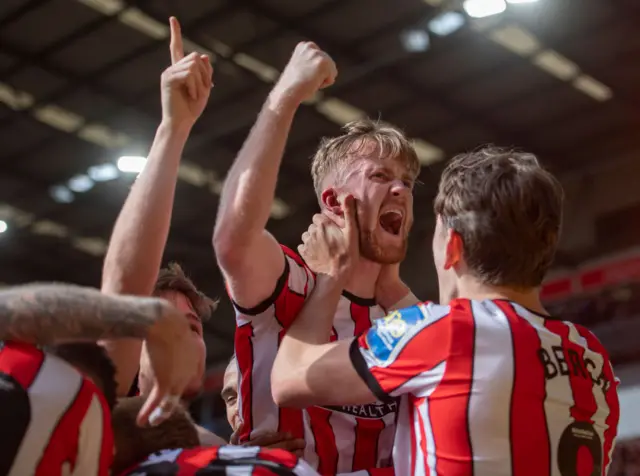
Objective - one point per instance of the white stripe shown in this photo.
(344, 431)
(491, 388)
(430, 444)
(235, 452)
(310, 455)
(402, 446)
(90, 440)
(52, 392)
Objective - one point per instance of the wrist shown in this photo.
(175, 129)
(283, 100)
(169, 323)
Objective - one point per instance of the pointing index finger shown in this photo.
(175, 46)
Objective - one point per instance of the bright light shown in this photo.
(484, 8)
(521, 1)
(415, 41)
(446, 23)
(103, 172)
(80, 184)
(61, 194)
(132, 164)
(3, 226)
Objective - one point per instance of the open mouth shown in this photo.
(391, 221)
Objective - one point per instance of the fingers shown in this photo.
(351, 218)
(176, 47)
(158, 407)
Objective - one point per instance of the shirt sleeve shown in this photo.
(292, 288)
(403, 352)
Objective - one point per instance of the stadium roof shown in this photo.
(79, 89)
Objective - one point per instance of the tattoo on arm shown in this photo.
(50, 313)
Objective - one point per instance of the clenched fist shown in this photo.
(309, 70)
(186, 84)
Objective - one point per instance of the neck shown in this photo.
(470, 288)
(363, 282)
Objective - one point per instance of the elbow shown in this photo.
(226, 250)
(287, 395)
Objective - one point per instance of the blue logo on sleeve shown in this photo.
(387, 333)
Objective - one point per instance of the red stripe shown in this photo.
(290, 420)
(106, 453)
(368, 432)
(21, 361)
(192, 460)
(244, 357)
(325, 440)
(361, 318)
(528, 420)
(63, 442)
(610, 395)
(282, 457)
(449, 402)
(584, 402)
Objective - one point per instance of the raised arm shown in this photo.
(140, 234)
(248, 255)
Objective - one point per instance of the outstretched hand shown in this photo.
(186, 84)
(331, 249)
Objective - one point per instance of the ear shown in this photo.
(454, 249)
(330, 202)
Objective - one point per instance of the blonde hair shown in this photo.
(334, 151)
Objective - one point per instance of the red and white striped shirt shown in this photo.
(489, 388)
(338, 439)
(54, 420)
(231, 460)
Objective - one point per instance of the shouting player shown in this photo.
(55, 420)
(490, 383)
(268, 283)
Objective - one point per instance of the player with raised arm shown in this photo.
(268, 283)
(490, 383)
(134, 255)
(53, 417)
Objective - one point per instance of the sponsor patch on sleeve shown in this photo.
(388, 332)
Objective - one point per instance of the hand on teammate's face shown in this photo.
(186, 84)
(309, 70)
(329, 248)
(276, 440)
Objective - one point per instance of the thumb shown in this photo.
(351, 219)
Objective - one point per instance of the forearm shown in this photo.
(249, 189)
(140, 234)
(44, 314)
(311, 328)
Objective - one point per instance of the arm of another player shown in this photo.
(140, 234)
(248, 255)
(297, 376)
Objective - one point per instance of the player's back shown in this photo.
(222, 460)
(490, 388)
(54, 420)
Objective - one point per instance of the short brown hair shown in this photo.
(134, 444)
(508, 212)
(173, 278)
(389, 140)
